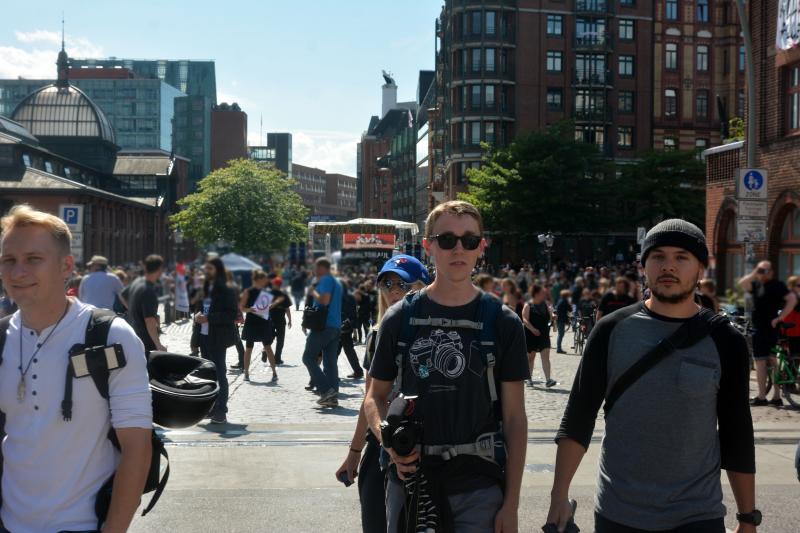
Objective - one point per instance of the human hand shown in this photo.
(536, 332)
(201, 319)
(350, 465)
(506, 520)
(406, 464)
(775, 322)
(160, 347)
(560, 513)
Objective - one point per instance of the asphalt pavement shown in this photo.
(271, 468)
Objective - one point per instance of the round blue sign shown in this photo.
(753, 181)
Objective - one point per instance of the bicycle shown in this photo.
(581, 333)
(787, 372)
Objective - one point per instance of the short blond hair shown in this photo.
(453, 207)
(23, 215)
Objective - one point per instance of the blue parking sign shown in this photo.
(72, 214)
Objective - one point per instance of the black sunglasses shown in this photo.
(387, 285)
(447, 241)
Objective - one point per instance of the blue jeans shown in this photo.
(217, 356)
(561, 326)
(327, 342)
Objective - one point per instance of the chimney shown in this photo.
(389, 100)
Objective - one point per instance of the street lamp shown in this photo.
(547, 239)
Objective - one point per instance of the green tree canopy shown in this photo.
(245, 204)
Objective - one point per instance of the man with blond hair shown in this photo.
(56, 459)
(462, 353)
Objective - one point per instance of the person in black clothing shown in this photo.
(216, 325)
(536, 318)
(298, 286)
(281, 316)
(617, 299)
(258, 327)
(562, 317)
(143, 304)
(349, 320)
(772, 302)
(364, 304)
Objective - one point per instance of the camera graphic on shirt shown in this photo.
(441, 351)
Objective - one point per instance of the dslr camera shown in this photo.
(400, 431)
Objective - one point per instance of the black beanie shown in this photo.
(678, 233)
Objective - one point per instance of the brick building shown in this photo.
(228, 134)
(329, 196)
(777, 144)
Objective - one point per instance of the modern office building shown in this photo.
(277, 152)
(193, 134)
(228, 134)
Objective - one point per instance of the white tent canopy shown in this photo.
(237, 263)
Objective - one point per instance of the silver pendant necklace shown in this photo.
(23, 373)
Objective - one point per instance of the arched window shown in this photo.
(789, 245)
(730, 255)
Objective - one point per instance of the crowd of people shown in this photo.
(441, 435)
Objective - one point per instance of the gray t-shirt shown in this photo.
(99, 289)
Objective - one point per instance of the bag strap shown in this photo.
(4, 323)
(688, 334)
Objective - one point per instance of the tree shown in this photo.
(245, 204)
(661, 185)
(542, 180)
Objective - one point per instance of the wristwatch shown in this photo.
(753, 517)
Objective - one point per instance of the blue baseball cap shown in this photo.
(408, 267)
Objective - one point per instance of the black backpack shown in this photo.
(97, 336)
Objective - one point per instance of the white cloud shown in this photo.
(332, 151)
(34, 54)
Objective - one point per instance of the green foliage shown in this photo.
(735, 130)
(245, 204)
(543, 180)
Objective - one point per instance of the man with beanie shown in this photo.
(677, 422)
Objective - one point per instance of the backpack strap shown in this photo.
(488, 309)
(407, 333)
(4, 323)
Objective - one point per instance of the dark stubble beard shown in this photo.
(673, 298)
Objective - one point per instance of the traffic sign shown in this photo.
(752, 209)
(641, 232)
(72, 214)
(751, 230)
(751, 184)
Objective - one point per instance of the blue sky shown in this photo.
(312, 68)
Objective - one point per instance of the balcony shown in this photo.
(594, 7)
(481, 75)
(594, 41)
(500, 35)
(501, 110)
(592, 77)
(594, 115)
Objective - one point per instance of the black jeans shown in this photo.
(604, 525)
(346, 344)
(280, 335)
(216, 354)
(371, 491)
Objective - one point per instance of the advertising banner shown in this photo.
(368, 240)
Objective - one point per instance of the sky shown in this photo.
(311, 67)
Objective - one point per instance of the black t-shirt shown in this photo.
(142, 303)
(611, 302)
(768, 302)
(278, 313)
(298, 283)
(455, 406)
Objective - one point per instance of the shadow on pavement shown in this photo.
(338, 411)
(224, 430)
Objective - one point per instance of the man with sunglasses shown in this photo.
(454, 405)
(772, 302)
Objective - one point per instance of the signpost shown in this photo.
(72, 214)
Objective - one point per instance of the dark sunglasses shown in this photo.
(388, 284)
(447, 241)
(762, 271)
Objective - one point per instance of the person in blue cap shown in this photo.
(399, 275)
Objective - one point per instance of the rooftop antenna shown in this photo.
(62, 30)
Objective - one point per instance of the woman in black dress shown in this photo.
(536, 318)
(258, 327)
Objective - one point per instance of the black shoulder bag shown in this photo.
(688, 334)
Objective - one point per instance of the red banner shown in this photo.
(368, 240)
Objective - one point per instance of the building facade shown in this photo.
(277, 152)
(327, 196)
(228, 135)
(777, 72)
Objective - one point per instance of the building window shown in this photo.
(475, 101)
(625, 102)
(626, 3)
(476, 60)
(670, 144)
(625, 137)
(626, 65)
(490, 63)
(626, 29)
(700, 144)
(476, 22)
(491, 23)
(793, 98)
(671, 10)
(476, 132)
(553, 61)
(702, 10)
(671, 56)
(742, 58)
(555, 98)
(490, 100)
(555, 25)
(701, 104)
(489, 132)
(702, 58)
(670, 102)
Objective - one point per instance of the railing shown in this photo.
(593, 114)
(594, 41)
(593, 77)
(594, 6)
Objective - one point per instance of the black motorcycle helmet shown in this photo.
(184, 388)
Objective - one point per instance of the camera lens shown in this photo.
(404, 439)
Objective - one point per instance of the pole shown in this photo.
(751, 84)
